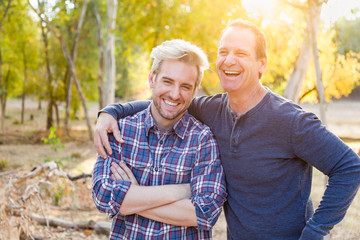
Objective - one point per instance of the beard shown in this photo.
(166, 114)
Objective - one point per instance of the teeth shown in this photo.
(231, 73)
(170, 103)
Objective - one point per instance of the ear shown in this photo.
(263, 64)
(151, 79)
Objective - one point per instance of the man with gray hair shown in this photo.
(164, 180)
(268, 148)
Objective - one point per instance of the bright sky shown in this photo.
(337, 8)
(332, 10)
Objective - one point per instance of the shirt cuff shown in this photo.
(119, 191)
(309, 234)
(207, 212)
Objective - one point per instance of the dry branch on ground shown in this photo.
(27, 200)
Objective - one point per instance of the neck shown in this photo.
(240, 103)
(162, 123)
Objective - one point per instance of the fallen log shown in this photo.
(100, 227)
(81, 176)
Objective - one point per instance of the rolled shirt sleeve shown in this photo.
(208, 183)
(108, 194)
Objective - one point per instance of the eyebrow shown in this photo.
(168, 78)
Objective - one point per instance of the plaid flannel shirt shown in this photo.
(187, 153)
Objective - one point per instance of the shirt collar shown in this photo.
(180, 127)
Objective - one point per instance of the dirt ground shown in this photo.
(21, 149)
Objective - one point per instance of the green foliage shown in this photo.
(75, 155)
(347, 35)
(141, 25)
(340, 73)
(59, 194)
(53, 140)
(3, 164)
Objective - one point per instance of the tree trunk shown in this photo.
(297, 77)
(100, 43)
(73, 57)
(3, 97)
(315, 10)
(110, 52)
(2, 119)
(39, 104)
(3, 93)
(56, 108)
(68, 89)
(72, 67)
(49, 119)
(4, 14)
(77, 84)
(24, 87)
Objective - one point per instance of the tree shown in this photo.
(312, 14)
(3, 82)
(41, 13)
(110, 70)
(347, 35)
(71, 75)
(100, 44)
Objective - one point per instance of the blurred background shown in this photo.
(63, 60)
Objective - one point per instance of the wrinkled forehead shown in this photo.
(236, 37)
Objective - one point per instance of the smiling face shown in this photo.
(172, 91)
(237, 64)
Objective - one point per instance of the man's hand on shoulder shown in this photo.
(105, 124)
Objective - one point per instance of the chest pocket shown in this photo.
(141, 169)
(174, 172)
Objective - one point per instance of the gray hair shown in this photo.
(183, 51)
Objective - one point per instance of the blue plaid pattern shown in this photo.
(187, 153)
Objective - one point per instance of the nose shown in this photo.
(229, 59)
(175, 93)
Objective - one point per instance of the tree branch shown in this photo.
(4, 15)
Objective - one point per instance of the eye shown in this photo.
(222, 52)
(240, 54)
(187, 88)
(166, 81)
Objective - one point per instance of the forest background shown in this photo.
(63, 60)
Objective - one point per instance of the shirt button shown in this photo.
(234, 140)
(161, 142)
(156, 169)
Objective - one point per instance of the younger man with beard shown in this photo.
(165, 181)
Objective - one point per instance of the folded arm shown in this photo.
(114, 196)
(180, 213)
(208, 191)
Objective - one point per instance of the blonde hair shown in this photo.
(180, 50)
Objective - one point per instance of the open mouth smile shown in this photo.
(232, 73)
(171, 103)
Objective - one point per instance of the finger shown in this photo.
(115, 173)
(99, 147)
(105, 141)
(116, 132)
(119, 171)
(128, 172)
